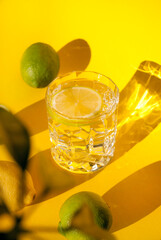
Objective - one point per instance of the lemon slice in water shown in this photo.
(77, 102)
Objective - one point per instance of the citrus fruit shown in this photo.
(39, 65)
(11, 185)
(100, 213)
(75, 234)
(77, 102)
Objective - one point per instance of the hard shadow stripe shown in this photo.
(135, 197)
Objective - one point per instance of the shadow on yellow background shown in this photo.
(42, 168)
(75, 56)
(135, 197)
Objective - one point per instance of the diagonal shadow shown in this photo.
(135, 197)
(34, 117)
(139, 109)
(75, 56)
(45, 171)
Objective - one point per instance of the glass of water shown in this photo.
(82, 119)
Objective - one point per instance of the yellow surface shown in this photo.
(120, 35)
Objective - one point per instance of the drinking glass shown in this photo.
(82, 120)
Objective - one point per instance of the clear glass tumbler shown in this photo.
(82, 119)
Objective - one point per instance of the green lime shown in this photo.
(75, 234)
(39, 65)
(100, 215)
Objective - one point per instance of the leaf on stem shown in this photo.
(15, 136)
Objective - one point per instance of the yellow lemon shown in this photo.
(11, 186)
(77, 102)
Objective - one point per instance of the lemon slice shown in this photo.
(77, 102)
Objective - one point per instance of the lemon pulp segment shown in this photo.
(77, 102)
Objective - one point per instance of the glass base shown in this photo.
(88, 164)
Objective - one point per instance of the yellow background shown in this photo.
(120, 34)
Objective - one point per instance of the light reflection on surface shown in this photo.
(139, 109)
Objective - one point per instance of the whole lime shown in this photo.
(100, 213)
(39, 65)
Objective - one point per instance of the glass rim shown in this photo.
(79, 72)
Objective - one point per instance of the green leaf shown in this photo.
(3, 207)
(15, 136)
